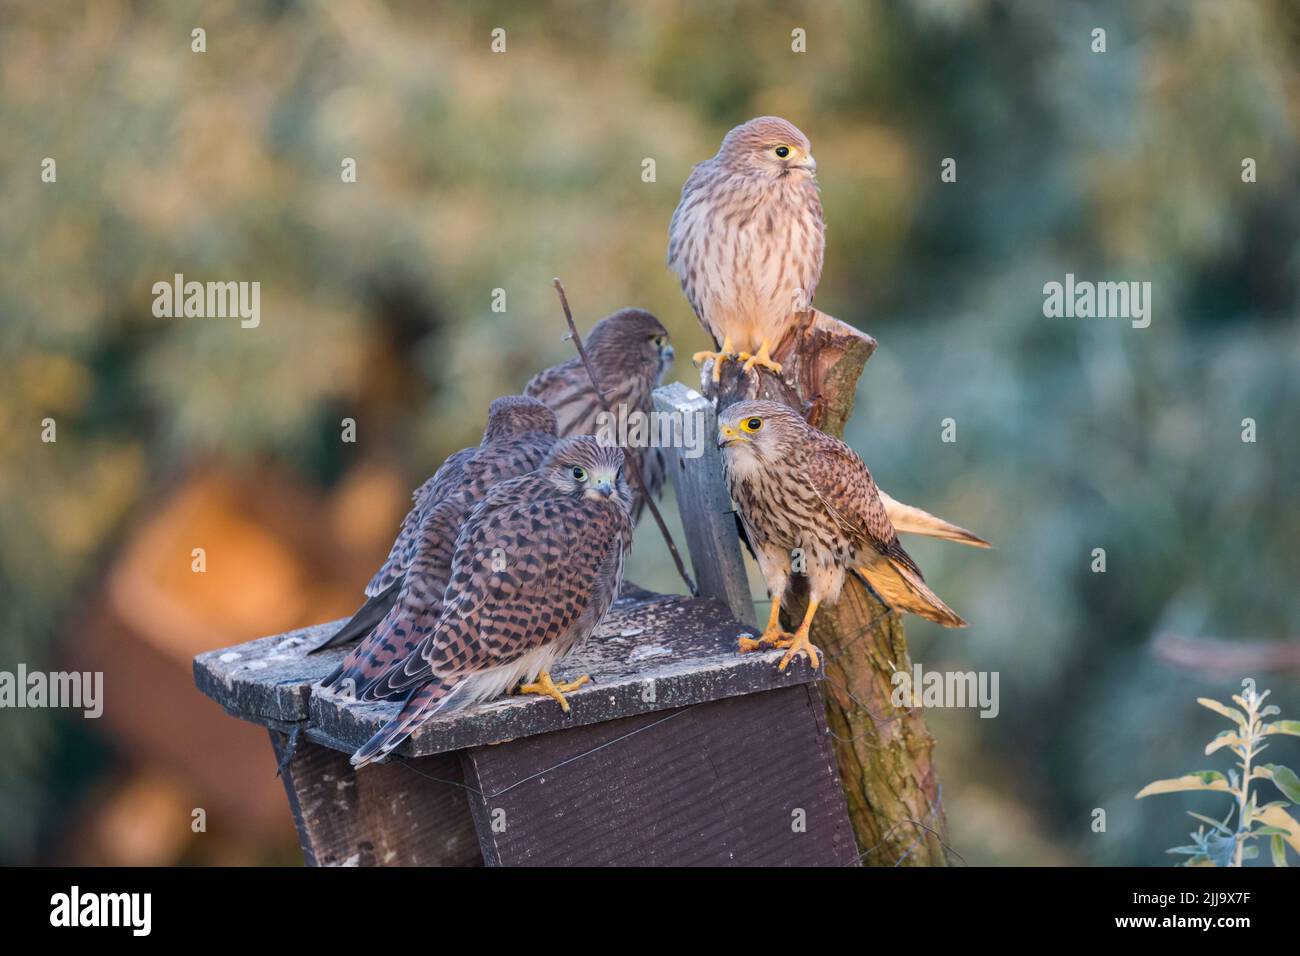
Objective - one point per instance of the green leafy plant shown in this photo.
(1225, 844)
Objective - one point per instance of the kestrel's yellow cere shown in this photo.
(538, 563)
(798, 488)
(747, 241)
(629, 353)
(519, 434)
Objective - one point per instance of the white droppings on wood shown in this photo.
(229, 656)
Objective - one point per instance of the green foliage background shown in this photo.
(481, 171)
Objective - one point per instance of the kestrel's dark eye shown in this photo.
(752, 424)
(783, 151)
(579, 473)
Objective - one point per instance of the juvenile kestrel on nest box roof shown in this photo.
(747, 241)
(520, 433)
(629, 352)
(538, 563)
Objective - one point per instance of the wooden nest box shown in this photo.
(680, 751)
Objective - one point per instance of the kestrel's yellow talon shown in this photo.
(762, 357)
(772, 633)
(726, 352)
(773, 638)
(544, 685)
(799, 645)
(699, 358)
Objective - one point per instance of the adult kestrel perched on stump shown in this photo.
(801, 492)
(538, 564)
(747, 241)
(630, 353)
(520, 433)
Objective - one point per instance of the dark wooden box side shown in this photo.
(743, 781)
(407, 813)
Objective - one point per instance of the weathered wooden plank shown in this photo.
(268, 679)
(746, 781)
(651, 653)
(386, 814)
(646, 657)
(705, 505)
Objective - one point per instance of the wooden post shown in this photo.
(703, 502)
(884, 753)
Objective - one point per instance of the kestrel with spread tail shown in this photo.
(747, 241)
(538, 564)
(800, 491)
(630, 354)
(520, 433)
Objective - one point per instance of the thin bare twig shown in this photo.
(1220, 656)
(634, 466)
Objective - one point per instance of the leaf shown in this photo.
(1222, 850)
(1278, 848)
(1201, 780)
(1284, 779)
(1277, 817)
(1269, 831)
(1291, 727)
(1226, 739)
(1222, 828)
(1224, 710)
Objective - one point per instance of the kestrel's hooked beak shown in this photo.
(808, 163)
(728, 435)
(603, 485)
